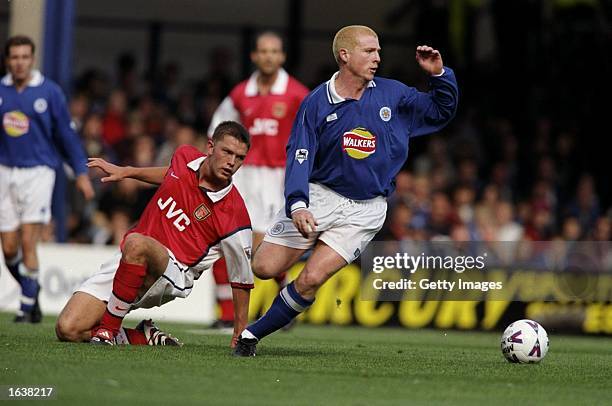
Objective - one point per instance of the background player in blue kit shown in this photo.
(349, 140)
(36, 131)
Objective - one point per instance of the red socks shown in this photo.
(224, 290)
(128, 280)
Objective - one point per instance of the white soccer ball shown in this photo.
(524, 341)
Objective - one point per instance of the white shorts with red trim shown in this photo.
(176, 281)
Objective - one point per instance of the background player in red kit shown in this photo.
(266, 104)
(195, 217)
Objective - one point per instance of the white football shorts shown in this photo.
(262, 189)
(177, 281)
(25, 196)
(344, 224)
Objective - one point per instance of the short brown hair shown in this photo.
(18, 40)
(268, 33)
(233, 129)
(346, 38)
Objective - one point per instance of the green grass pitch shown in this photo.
(307, 366)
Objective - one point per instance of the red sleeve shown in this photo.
(237, 244)
(240, 214)
(237, 95)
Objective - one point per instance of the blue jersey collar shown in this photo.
(332, 96)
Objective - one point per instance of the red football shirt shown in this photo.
(267, 118)
(199, 226)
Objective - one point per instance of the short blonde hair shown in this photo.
(346, 38)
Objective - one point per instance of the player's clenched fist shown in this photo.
(304, 221)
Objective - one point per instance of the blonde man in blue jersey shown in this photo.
(349, 140)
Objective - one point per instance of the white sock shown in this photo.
(247, 334)
(117, 307)
(27, 272)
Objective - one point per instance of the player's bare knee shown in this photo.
(263, 269)
(67, 330)
(60, 331)
(134, 248)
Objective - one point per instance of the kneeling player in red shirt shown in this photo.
(195, 218)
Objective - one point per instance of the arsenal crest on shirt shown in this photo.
(279, 110)
(201, 212)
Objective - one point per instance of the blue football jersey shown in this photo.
(36, 126)
(357, 147)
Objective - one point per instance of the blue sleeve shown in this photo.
(66, 139)
(429, 112)
(301, 151)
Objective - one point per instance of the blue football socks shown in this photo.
(29, 287)
(287, 305)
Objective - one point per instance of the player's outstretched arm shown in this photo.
(240, 297)
(153, 175)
